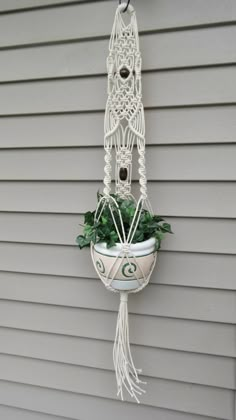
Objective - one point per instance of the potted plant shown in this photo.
(124, 239)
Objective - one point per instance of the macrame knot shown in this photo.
(124, 297)
(126, 248)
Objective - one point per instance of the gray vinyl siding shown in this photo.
(57, 319)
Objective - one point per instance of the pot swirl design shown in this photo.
(128, 269)
(100, 266)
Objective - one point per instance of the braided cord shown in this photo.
(107, 170)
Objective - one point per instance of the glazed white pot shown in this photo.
(128, 271)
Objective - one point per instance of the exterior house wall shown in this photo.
(57, 319)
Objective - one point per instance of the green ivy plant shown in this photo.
(104, 230)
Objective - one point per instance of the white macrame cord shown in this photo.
(124, 127)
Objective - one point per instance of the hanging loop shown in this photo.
(126, 7)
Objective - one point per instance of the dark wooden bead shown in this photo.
(123, 174)
(124, 73)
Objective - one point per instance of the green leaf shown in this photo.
(110, 243)
(82, 241)
(89, 217)
(158, 219)
(138, 236)
(167, 227)
(88, 230)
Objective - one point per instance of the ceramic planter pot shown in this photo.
(128, 271)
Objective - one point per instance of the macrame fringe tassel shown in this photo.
(126, 373)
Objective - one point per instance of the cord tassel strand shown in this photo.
(126, 373)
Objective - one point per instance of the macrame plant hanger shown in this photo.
(124, 127)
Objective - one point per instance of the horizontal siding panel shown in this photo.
(10, 413)
(172, 395)
(175, 49)
(170, 301)
(83, 407)
(72, 22)
(14, 5)
(198, 162)
(167, 88)
(163, 126)
(202, 235)
(190, 199)
(190, 235)
(177, 268)
(188, 335)
(162, 363)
